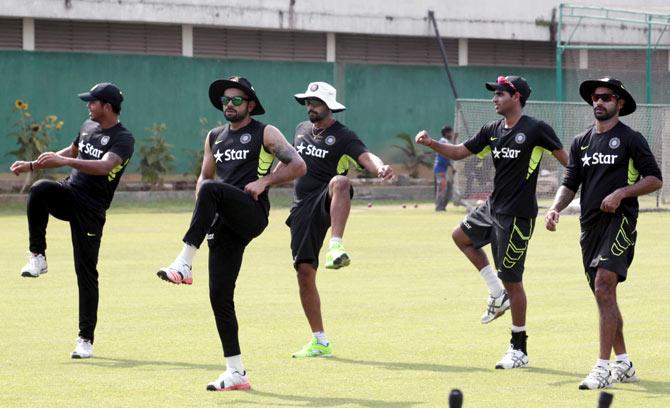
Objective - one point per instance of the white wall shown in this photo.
(510, 19)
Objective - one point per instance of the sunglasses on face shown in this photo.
(502, 80)
(236, 100)
(605, 97)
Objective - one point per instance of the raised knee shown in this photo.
(340, 183)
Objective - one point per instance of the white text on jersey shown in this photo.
(310, 150)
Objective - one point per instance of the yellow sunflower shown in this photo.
(19, 104)
(59, 125)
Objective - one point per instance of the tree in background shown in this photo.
(155, 156)
(32, 138)
(413, 158)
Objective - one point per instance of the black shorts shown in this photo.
(309, 221)
(609, 243)
(508, 235)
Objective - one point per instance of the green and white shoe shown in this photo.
(337, 257)
(314, 349)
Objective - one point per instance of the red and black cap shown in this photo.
(511, 84)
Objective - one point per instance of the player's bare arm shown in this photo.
(293, 165)
(644, 186)
(372, 163)
(21, 166)
(452, 152)
(561, 155)
(564, 196)
(208, 168)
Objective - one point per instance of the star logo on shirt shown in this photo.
(586, 160)
(496, 153)
(81, 145)
(218, 156)
(301, 147)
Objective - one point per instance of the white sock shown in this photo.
(234, 363)
(494, 284)
(623, 357)
(334, 240)
(321, 338)
(518, 329)
(187, 254)
(603, 363)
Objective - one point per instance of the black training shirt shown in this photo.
(96, 192)
(240, 156)
(516, 154)
(326, 155)
(604, 162)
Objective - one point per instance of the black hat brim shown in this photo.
(587, 88)
(218, 87)
(86, 96)
(494, 86)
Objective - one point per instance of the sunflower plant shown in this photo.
(32, 137)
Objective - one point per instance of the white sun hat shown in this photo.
(322, 91)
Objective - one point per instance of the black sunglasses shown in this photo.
(237, 100)
(605, 97)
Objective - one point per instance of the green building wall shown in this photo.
(382, 100)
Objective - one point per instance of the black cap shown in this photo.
(511, 84)
(587, 88)
(218, 87)
(104, 92)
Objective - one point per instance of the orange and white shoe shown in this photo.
(177, 272)
(230, 380)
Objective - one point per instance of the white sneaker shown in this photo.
(230, 380)
(84, 349)
(599, 377)
(623, 372)
(178, 272)
(495, 307)
(513, 359)
(36, 266)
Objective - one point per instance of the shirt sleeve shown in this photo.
(355, 147)
(643, 159)
(573, 172)
(124, 147)
(479, 142)
(548, 138)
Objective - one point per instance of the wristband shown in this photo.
(31, 166)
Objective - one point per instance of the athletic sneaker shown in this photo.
(623, 372)
(495, 307)
(599, 377)
(36, 266)
(513, 359)
(84, 349)
(230, 380)
(337, 257)
(177, 272)
(314, 349)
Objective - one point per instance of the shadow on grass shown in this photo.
(392, 365)
(125, 363)
(287, 400)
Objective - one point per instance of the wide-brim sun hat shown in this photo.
(588, 87)
(218, 87)
(324, 92)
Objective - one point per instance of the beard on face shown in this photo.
(604, 114)
(315, 116)
(234, 116)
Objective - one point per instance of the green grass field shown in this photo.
(403, 319)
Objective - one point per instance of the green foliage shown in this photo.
(155, 156)
(413, 158)
(32, 137)
(198, 155)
